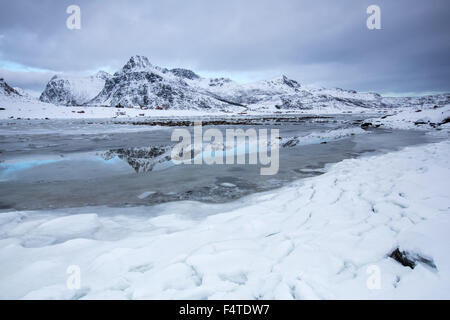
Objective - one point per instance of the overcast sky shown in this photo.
(317, 42)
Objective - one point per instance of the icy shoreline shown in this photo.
(313, 239)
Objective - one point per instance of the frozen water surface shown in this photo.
(66, 163)
(102, 196)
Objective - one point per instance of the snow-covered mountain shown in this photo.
(142, 84)
(284, 93)
(73, 90)
(139, 83)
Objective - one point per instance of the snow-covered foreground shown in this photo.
(34, 109)
(322, 237)
(417, 119)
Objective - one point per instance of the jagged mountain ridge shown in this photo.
(141, 84)
(285, 93)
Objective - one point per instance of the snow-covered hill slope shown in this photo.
(283, 93)
(23, 108)
(369, 228)
(10, 96)
(29, 94)
(16, 103)
(423, 118)
(7, 90)
(73, 90)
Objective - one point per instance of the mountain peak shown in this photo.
(287, 81)
(185, 73)
(102, 75)
(137, 63)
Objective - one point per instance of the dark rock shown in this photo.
(410, 260)
(446, 120)
(402, 258)
(184, 73)
(141, 159)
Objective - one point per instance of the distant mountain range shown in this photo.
(141, 84)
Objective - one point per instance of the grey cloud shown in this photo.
(31, 80)
(321, 42)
